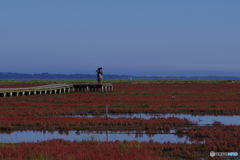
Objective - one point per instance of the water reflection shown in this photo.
(199, 119)
(37, 136)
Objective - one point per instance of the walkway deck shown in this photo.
(105, 87)
(55, 89)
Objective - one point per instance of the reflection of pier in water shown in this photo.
(78, 136)
(55, 89)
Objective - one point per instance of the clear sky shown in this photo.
(138, 37)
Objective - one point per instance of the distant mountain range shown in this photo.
(47, 76)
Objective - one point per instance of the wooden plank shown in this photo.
(36, 88)
(56, 89)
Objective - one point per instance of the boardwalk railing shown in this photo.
(105, 87)
(55, 89)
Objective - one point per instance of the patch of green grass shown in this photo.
(179, 106)
(170, 81)
(119, 106)
(127, 145)
(104, 106)
(142, 93)
(7, 105)
(161, 106)
(143, 106)
(138, 144)
(7, 145)
(212, 105)
(42, 156)
(124, 145)
(87, 106)
(35, 105)
(181, 93)
(101, 106)
(12, 82)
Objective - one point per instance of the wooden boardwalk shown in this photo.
(55, 89)
(105, 87)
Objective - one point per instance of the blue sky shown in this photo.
(138, 37)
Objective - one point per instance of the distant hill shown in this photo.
(47, 76)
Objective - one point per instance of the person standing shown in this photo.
(99, 75)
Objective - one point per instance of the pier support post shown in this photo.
(3, 94)
(69, 90)
(102, 89)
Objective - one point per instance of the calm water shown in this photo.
(38, 136)
(199, 119)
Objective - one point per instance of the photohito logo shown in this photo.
(226, 154)
(212, 154)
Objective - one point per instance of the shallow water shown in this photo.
(199, 119)
(38, 136)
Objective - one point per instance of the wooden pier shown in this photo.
(105, 87)
(56, 89)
